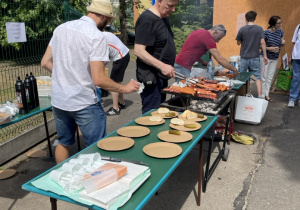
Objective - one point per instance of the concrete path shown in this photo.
(260, 176)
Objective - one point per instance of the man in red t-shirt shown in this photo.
(196, 45)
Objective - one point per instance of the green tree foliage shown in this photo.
(80, 5)
(189, 16)
(40, 18)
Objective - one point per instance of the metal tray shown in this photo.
(220, 95)
(177, 103)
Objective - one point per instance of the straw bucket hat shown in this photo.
(102, 7)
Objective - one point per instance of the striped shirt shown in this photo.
(273, 39)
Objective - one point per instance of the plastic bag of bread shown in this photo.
(7, 111)
(4, 118)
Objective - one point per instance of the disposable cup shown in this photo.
(72, 168)
(82, 161)
(58, 176)
(94, 157)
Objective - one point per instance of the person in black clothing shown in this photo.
(155, 51)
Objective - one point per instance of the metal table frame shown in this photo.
(45, 105)
(224, 108)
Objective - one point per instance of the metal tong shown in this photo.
(181, 76)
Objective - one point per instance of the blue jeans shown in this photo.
(152, 96)
(253, 64)
(295, 86)
(181, 70)
(91, 121)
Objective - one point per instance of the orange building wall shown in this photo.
(145, 3)
(226, 12)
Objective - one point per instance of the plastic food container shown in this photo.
(44, 84)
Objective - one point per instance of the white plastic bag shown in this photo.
(198, 72)
(249, 109)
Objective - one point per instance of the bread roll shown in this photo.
(184, 114)
(163, 110)
(155, 118)
(191, 115)
(177, 121)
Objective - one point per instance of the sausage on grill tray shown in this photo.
(211, 81)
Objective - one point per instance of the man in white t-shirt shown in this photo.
(294, 59)
(119, 53)
(75, 56)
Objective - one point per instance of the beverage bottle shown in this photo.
(210, 69)
(29, 92)
(21, 96)
(35, 90)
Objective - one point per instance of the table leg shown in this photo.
(200, 172)
(53, 202)
(247, 86)
(207, 171)
(47, 133)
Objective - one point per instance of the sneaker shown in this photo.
(112, 111)
(122, 106)
(291, 104)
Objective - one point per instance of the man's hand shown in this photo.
(290, 60)
(131, 86)
(236, 73)
(168, 70)
(275, 49)
(265, 60)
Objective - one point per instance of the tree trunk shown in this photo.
(123, 29)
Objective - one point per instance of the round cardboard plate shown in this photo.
(35, 153)
(182, 128)
(115, 143)
(183, 137)
(145, 121)
(6, 173)
(133, 131)
(164, 115)
(196, 119)
(162, 150)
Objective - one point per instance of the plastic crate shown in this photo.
(44, 84)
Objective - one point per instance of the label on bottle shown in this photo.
(19, 99)
(27, 95)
